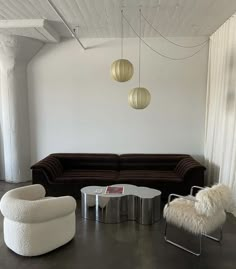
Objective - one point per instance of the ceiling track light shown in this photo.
(59, 14)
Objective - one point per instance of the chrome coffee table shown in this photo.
(141, 204)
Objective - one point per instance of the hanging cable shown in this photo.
(122, 33)
(139, 68)
(172, 42)
(159, 53)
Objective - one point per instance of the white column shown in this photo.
(15, 53)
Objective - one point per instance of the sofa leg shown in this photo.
(182, 247)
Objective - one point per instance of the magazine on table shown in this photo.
(114, 190)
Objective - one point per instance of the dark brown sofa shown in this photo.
(67, 173)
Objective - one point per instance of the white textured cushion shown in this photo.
(183, 214)
(25, 204)
(211, 200)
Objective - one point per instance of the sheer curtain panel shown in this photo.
(220, 136)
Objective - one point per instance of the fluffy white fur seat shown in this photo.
(200, 215)
(35, 224)
(183, 214)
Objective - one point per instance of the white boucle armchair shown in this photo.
(35, 224)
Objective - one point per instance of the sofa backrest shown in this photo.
(88, 161)
(150, 161)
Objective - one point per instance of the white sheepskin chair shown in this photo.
(35, 224)
(200, 215)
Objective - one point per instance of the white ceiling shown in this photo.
(101, 18)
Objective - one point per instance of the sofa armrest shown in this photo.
(186, 165)
(50, 166)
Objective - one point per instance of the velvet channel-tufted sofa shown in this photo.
(67, 173)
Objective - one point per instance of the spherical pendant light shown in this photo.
(139, 98)
(122, 70)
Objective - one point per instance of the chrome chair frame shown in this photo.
(200, 235)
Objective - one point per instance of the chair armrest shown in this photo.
(180, 196)
(37, 211)
(50, 165)
(195, 187)
(11, 200)
(31, 192)
(52, 208)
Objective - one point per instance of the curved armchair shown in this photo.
(35, 224)
(201, 214)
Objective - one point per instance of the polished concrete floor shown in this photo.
(126, 245)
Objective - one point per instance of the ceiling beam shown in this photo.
(34, 28)
(59, 14)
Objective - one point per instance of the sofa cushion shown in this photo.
(78, 175)
(149, 175)
(150, 161)
(88, 161)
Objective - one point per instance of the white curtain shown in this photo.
(220, 136)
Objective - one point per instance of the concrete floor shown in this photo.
(126, 245)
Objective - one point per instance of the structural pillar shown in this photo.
(15, 53)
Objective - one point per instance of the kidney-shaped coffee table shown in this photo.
(141, 204)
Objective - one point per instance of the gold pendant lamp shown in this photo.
(122, 70)
(139, 98)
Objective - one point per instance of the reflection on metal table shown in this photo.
(141, 204)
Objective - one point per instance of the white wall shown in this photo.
(76, 107)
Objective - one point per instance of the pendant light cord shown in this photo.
(139, 70)
(159, 53)
(170, 41)
(122, 33)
